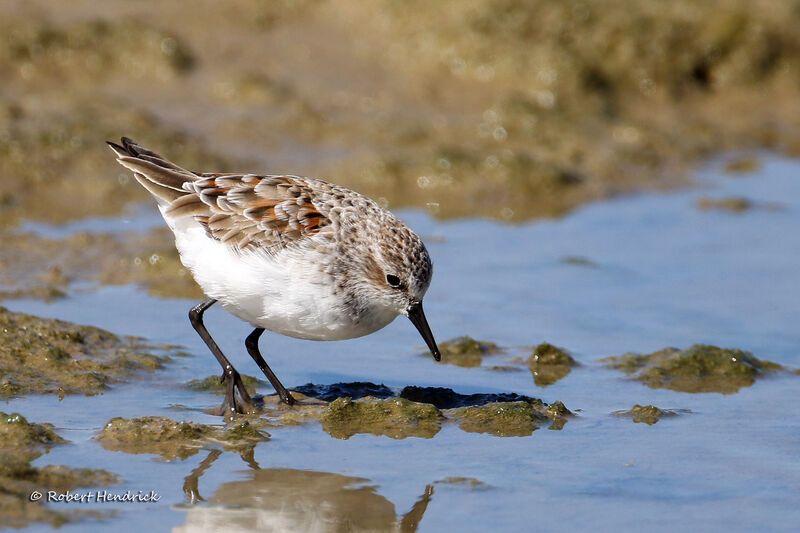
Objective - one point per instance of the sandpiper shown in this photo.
(298, 256)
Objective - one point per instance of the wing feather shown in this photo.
(244, 211)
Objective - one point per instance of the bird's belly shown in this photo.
(312, 320)
(288, 295)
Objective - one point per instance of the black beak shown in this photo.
(417, 317)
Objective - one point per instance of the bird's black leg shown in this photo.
(232, 378)
(251, 343)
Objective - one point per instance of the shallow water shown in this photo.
(658, 272)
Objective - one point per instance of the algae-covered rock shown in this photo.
(397, 418)
(153, 434)
(17, 432)
(503, 419)
(701, 368)
(40, 355)
(649, 414)
(274, 413)
(466, 351)
(243, 432)
(20, 443)
(549, 364)
(217, 385)
(557, 410)
(172, 439)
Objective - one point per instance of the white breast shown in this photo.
(286, 293)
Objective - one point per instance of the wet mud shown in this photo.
(39, 355)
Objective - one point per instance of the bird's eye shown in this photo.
(392, 280)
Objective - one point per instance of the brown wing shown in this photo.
(249, 212)
(244, 211)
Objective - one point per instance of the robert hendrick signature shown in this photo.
(96, 496)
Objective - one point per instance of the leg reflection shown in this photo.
(191, 482)
(411, 520)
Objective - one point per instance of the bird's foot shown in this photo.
(230, 406)
(286, 397)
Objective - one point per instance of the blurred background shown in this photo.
(488, 108)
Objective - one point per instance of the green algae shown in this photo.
(503, 414)
(648, 414)
(465, 351)
(700, 368)
(502, 419)
(514, 418)
(20, 443)
(549, 364)
(243, 432)
(397, 418)
(377, 410)
(274, 413)
(217, 385)
(547, 354)
(39, 355)
(173, 440)
(557, 410)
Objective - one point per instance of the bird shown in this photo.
(297, 256)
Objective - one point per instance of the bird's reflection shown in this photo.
(285, 499)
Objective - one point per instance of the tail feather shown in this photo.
(164, 195)
(131, 148)
(162, 178)
(165, 177)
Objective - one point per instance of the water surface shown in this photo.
(654, 271)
